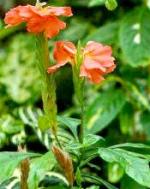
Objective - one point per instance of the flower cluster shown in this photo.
(97, 59)
(38, 18)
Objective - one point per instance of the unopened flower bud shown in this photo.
(65, 162)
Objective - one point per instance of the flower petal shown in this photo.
(54, 68)
(64, 52)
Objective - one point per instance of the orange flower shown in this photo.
(64, 52)
(97, 59)
(39, 19)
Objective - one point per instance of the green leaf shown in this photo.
(137, 96)
(3, 139)
(93, 187)
(115, 172)
(94, 3)
(39, 167)
(90, 140)
(76, 26)
(126, 118)
(19, 74)
(135, 167)
(134, 37)
(98, 180)
(9, 125)
(131, 145)
(144, 121)
(111, 4)
(128, 183)
(103, 110)
(12, 182)
(43, 123)
(9, 161)
(71, 123)
(106, 34)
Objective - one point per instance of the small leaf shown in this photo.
(71, 123)
(115, 172)
(111, 4)
(94, 3)
(43, 123)
(90, 140)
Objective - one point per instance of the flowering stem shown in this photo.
(79, 89)
(48, 83)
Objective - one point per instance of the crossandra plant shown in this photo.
(73, 152)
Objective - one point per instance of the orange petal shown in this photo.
(60, 11)
(64, 52)
(54, 68)
(53, 26)
(12, 18)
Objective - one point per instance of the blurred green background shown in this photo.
(118, 109)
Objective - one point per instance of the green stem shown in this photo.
(81, 127)
(48, 83)
(79, 92)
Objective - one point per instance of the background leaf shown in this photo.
(103, 110)
(9, 161)
(39, 167)
(135, 167)
(134, 37)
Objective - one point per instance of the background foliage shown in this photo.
(118, 109)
